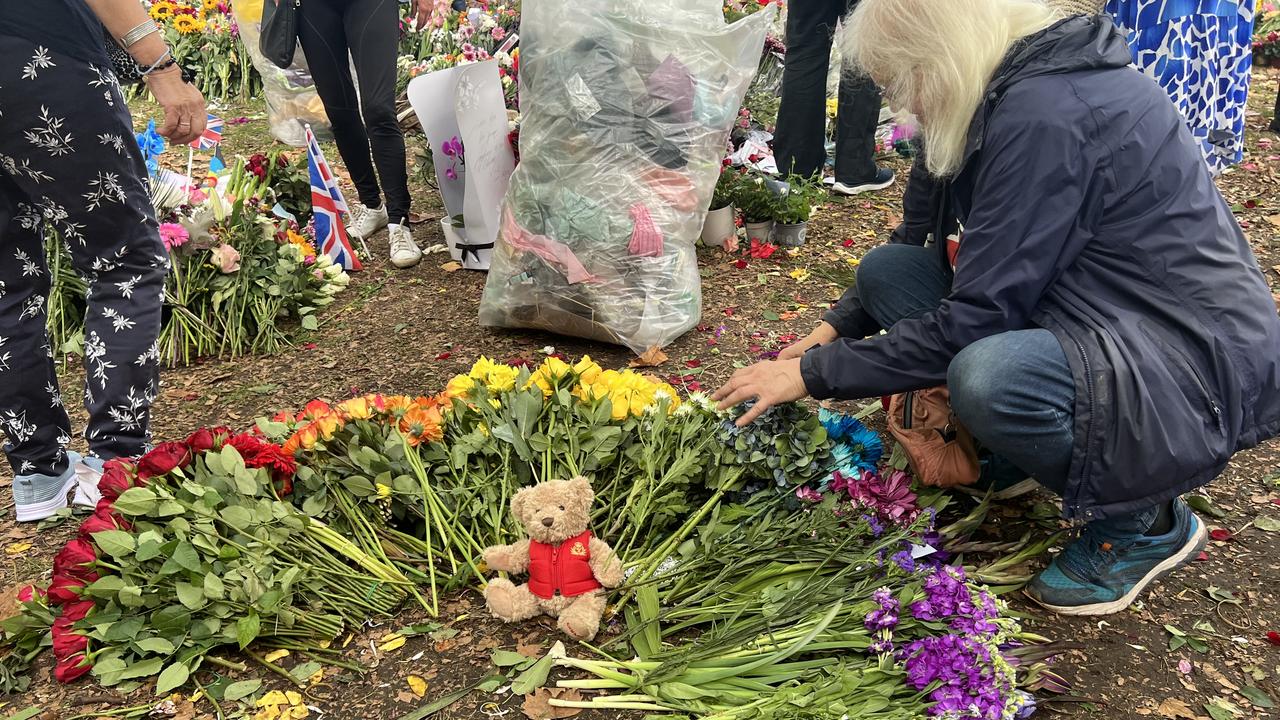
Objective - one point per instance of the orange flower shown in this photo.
(376, 402)
(422, 422)
(328, 425)
(304, 439)
(314, 409)
(397, 404)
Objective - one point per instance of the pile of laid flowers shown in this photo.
(205, 40)
(450, 38)
(245, 278)
(779, 575)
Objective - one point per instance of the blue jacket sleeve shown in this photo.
(1030, 184)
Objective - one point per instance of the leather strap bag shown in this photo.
(279, 31)
(941, 450)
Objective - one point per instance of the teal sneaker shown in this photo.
(36, 496)
(1104, 571)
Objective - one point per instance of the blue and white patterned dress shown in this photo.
(1200, 51)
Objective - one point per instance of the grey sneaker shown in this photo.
(366, 221)
(36, 497)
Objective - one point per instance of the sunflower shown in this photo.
(162, 10)
(210, 5)
(188, 25)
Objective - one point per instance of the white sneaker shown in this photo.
(37, 497)
(366, 221)
(404, 251)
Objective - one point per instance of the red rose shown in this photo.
(164, 459)
(77, 611)
(75, 558)
(27, 593)
(65, 589)
(247, 445)
(70, 668)
(117, 476)
(102, 519)
(67, 642)
(201, 440)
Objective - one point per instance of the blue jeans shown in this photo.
(1014, 391)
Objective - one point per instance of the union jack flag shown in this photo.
(211, 136)
(327, 207)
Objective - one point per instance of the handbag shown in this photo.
(279, 31)
(126, 69)
(941, 450)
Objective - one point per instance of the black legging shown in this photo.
(370, 31)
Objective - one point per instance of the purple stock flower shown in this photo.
(968, 685)
(904, 560)
(884, 617)
(948, 597)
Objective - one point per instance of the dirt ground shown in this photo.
(408, 331)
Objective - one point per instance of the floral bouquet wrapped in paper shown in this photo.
(626, 110)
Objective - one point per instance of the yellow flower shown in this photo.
(587, 370)
(356, 409)
(187, 24)
(384, 491)
(497, 377)
(548, 374)
(460, 387)
(162, 10)
(210, 5)
(800, 274)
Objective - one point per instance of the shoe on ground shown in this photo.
(37, 496)
(883, 179)
(1099, 574)
(88, 473)
(366, 221)
(404, 251)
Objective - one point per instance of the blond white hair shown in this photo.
(934, 58)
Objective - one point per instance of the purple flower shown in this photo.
(808, 494)
(877, 527)
(451, 174)
(904, 560)
(884, 617)
(888, 496)
(881, 646)
(967, 683)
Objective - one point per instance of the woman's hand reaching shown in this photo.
(184, 109)
(768, 383)
(821, 335)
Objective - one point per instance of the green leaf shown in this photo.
(247, 629)
(156, 645)
(190, 595)
(533, 678)
(305, 670)
(105, 587)
(1268, 523)
(309, 322)
(243, 689)
(171, 619)
(360, 487)
(145, 668)
(237, 516)
(137, 501)
(506, 658)
(186, 557)
(771, 316)
(1257, 697)
(116, 543)
(1174, 631)
(27, 714)
(214, 589)
(1220, 709)
(491, 683)
(148, 550)
(1204, 505)
(172, 678)
(126, 629)
(231, 460)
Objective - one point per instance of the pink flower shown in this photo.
(808, 494)
(225, 258)
(499, 33)
(173, 235)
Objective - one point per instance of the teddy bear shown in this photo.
(569, 569)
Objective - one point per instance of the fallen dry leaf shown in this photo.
(275, 655)
(451, 267)
(537, 705)
(417, 685)
(391, 641)
(653, 357)
(17, 548)
(529, 647)
(1173, 708)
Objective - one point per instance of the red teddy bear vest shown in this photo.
(562, 569)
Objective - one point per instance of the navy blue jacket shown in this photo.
(1088, 210)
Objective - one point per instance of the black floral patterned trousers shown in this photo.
(69, 165)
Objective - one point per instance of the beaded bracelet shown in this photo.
(165, 62)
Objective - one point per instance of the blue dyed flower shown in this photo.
(152, 145)
(855, 447)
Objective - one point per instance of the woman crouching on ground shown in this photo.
(1099, 319)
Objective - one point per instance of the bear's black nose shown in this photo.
(548, 521)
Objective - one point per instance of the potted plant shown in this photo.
(792, 211)
(719, 225)
(757, 199)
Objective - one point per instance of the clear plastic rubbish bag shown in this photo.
(626, 109)
(292, 102)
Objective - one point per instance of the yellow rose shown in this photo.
(587, 370)
(549, 374)
(356, 409)
(460, 387)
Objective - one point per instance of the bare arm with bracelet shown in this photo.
(184, 109)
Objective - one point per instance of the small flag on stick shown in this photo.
(327, 207)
